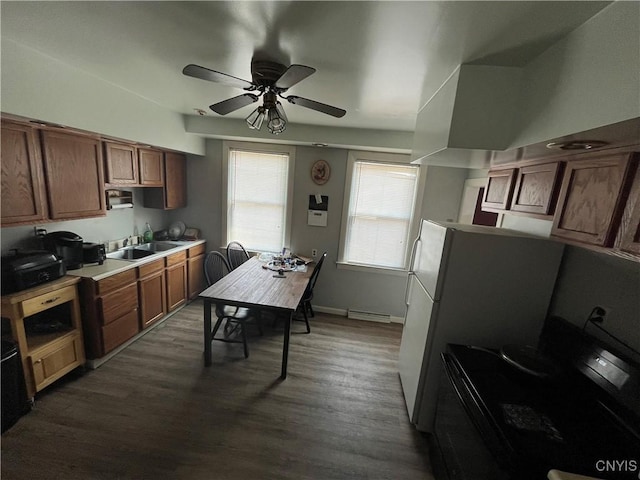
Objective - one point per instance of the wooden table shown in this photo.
(254, 287)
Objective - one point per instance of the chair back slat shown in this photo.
(236, 255)
(215, 267)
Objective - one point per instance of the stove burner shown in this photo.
(523, 417)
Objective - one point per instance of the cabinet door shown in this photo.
(122, 164)
(536, 189)
(591, 199)
(195, 270)
(152, 299)
(175, 178)
(151, 168)
(23, 192)
(497, 193)
(176, 285)
(629, 234)
(56, 361)
(75, 180)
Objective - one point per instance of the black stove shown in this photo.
(496, 421)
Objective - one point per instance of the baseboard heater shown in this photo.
(369, 316)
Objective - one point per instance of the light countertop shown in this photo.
(111, 266)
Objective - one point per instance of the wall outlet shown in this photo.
(314, 252)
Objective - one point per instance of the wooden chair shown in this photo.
(305, 302)
(236, 255)
(215, 268)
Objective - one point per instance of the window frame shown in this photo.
(266, 148)
(389, 159)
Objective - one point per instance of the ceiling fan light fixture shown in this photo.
(255, 118)
(276, 119)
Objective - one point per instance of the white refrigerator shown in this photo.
(470, 285)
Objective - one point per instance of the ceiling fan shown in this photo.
(270, 80)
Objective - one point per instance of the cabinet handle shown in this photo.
(51, 300)
(38, 361)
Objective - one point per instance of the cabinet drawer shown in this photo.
(149, 268)
(176, 258)
(119, 303)
(197, 250)
(56, 363)
(115, 281)
(119, 331)
(48, 300)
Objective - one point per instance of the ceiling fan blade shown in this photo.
(293, 75)
(232, 104)
(320, 107)
(213, 76)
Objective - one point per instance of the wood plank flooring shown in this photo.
(154, 411)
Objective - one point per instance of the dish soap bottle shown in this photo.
(147, 236)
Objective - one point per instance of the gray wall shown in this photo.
(338, 288)
(588, 278)
(115, 225)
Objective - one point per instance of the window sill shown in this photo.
(396, 272)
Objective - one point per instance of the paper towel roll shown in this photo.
(121, 205)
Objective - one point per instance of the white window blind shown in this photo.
(257, 199)
(381, 206)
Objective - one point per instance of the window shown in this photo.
(257, 195)
(382, 191)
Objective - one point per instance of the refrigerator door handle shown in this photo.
(413, 253)
(408, 289)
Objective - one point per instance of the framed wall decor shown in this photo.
(320, 172)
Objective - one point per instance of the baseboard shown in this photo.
(343, 313)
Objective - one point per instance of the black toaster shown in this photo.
(93, 253)
(26, 269)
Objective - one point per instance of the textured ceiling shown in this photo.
(378, 60)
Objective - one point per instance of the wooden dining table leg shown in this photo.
(285, 346)
(207, 333)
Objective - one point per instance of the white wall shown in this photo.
(589, 79)
(40, 87)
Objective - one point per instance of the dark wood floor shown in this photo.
(154, 411)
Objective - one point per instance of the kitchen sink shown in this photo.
(155, 247)
(138, 252)
(130, 254)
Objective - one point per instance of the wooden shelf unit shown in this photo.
(46, 357)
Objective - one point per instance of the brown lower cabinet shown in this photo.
(118, 307)
(152, 292)
(176, 272)
(195, 270)
(109, 312)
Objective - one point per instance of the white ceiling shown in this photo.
(378, 60)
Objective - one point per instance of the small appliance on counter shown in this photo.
(66, 245)
(93, 253)
(29, 268)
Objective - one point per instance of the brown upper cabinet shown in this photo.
(49, 174)
(536, 188)
(628, 239)
(174, 192)
(151, 167)
(592, 198)
(23, 190)
(74, 175)
(499, 189)
(129, 166)
(121, 162)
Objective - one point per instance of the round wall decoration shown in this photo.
(320, 172)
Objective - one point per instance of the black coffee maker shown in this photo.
(66, 245)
